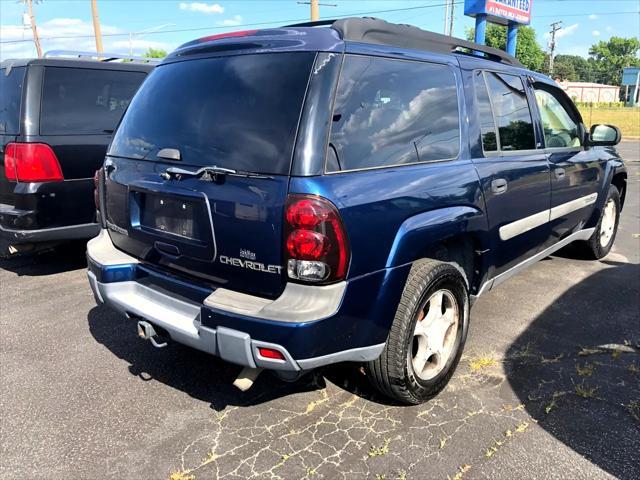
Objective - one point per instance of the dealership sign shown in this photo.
(500, 11)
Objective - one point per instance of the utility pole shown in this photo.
(555, 26)
(34, 28)
(451, 12)
(315, 8)
(446, 16)
(96, 25)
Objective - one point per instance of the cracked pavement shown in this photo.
(549, 387)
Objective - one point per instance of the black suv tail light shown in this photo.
(317, 248)
(31, 162)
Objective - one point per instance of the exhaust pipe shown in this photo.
(246, 377)
(147, 332)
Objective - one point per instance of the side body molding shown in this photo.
(418, 232)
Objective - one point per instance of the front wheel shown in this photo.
(427, 335)
(600, 243)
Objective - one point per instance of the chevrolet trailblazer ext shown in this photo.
(294, 197)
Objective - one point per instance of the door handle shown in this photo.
(499, 185)
(167, 249)
(559, 173)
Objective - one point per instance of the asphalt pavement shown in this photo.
(549, 387)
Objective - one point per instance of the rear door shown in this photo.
(80, 108)
(11, 88)
(575, 172)
(513, 173)
(237, 112)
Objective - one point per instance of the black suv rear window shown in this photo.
(238, 112)
(11, 99)
(82, 101)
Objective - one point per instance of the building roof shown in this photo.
(586, 85)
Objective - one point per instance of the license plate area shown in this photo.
(175, 219)
(161, 213)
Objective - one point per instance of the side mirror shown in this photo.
(604, 135)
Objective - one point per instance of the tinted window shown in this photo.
(391, 112)
(511, 111)
(77, 101)
(485, 115)
(11, 99)
(560, 129)
(237, 112)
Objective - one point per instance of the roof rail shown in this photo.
(381, 32)
(103, 57)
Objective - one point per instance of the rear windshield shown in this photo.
(11, 80)
(82, 101)
(238, 112)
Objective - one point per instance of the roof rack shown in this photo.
(381, 32)
(103, 57)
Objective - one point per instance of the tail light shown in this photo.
(31, 162)
(317, 247)
(219, 36)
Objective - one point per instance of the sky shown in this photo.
(134, 26)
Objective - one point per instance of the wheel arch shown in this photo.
(455, 235)
(619, 180)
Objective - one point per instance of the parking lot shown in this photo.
(549, 387)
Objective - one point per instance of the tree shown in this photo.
(155, 53)
(564, 70)
(527, 49)
(571, 68)
(608, 58)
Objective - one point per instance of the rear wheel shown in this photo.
(427, 335)
(600, 243)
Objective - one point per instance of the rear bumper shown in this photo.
(310, 326)
(48, 211)
(72, 232)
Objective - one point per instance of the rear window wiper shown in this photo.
(209, 173)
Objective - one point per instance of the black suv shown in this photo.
(56, 120)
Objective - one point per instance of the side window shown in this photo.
(393, 112)
(511, 111)
(82, 101)
(11, 80)
(485, 115)
(560, 130)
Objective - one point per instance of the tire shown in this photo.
(394, 373)
(596, 248)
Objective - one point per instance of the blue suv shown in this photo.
(295, 197)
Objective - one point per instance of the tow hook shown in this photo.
(147, 332)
